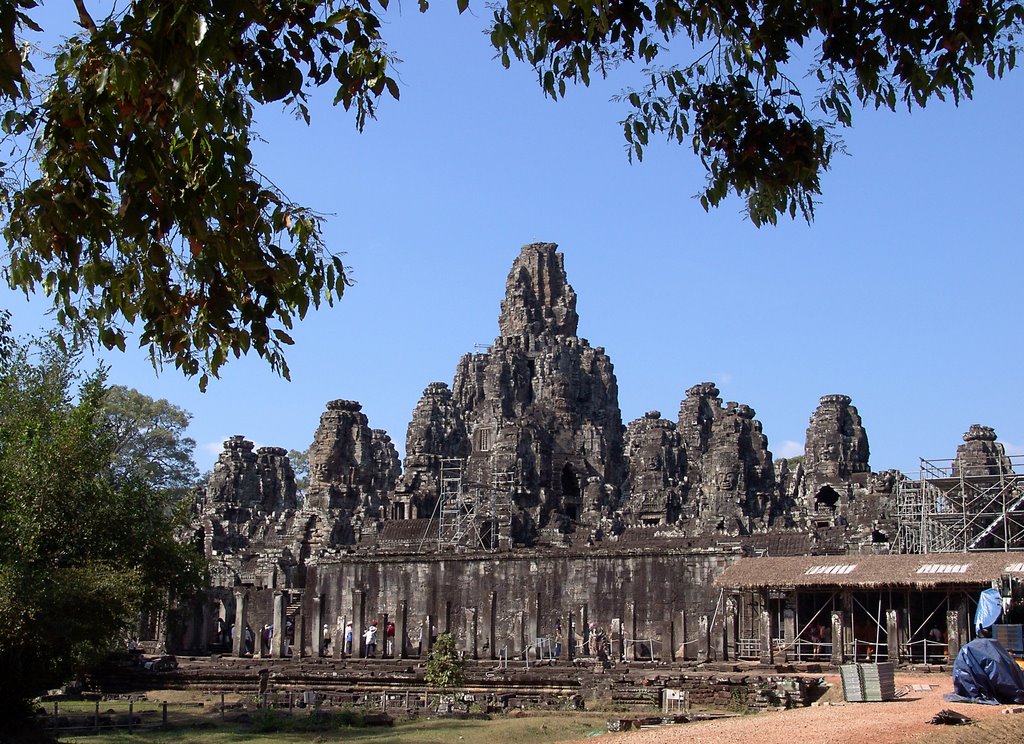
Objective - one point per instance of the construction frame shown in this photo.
(954, 508)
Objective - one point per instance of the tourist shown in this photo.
(250, 639)
(348, 638)
(389, 640)
(325, 644)
(370, 636)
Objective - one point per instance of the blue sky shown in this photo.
(903, 294)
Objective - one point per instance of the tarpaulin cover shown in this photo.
(984, 672)
(990, 606)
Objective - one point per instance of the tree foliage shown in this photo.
(145, 206)
(84, 546)
(736, 100)
(299, 460)
(149, 439)
(445, 670)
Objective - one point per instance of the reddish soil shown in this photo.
(833, 721)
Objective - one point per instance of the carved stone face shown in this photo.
(726, 481)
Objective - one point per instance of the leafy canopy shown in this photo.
(84, 546)
(149, 439)
(143, 206)
(735, 99)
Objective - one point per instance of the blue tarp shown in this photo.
(990, 606)
(984, 672)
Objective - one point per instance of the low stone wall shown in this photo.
(749, 691)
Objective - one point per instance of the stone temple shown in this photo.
(526, 503)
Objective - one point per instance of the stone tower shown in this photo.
(981, 454)
(835, 456)
(539, 410)
(351, 471)
(730, 474)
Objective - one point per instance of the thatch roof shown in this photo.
(871, 571)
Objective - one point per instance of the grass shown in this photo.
(541, 728)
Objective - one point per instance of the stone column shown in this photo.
(570, 635)
(316, 635)
(629, 648)
(684, 652)
(277, 643)
(838, 638)
(538, 627)
(447, 617)
(241, 618)
(402, 629)
(892, 630)
(358, 620)
(428, 635)
(585, 624)
(522, 622)
(474, 634)
(492, 626)
(849, 632)
(299, 632)
(765, 636)
(382, 637)
(731, 628)
(953, 637)
(703, 638)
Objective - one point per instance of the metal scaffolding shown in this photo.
(473, 518)
(953, 508)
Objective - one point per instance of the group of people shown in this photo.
(369, 638)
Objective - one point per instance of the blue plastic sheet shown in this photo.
(990, 607)
(984, 672)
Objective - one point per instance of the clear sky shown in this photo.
(904, 293)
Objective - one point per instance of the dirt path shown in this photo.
(837, 722)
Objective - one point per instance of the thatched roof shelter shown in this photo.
(932, 570)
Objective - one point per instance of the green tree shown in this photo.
(146, 207)
(84, 545)
(149, 439)
(445, 670)
(300, 464)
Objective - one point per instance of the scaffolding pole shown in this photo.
(953, 508)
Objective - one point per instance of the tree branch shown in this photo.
(84, 19)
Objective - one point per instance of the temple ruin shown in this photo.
(525, 503)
